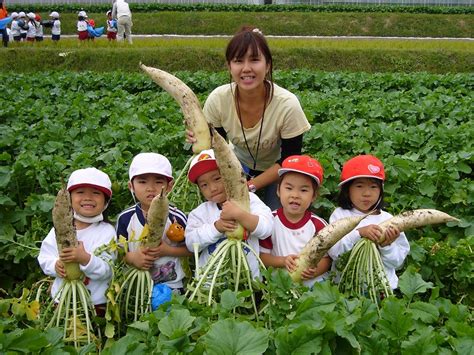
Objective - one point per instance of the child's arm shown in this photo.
(288, 262)
(393, 255)
(140, 259)
(164, 249)
(231, 211)
(201, 229)
(48, 255)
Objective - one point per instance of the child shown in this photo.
(55, 26)
(208, 222)
(31, 32)
(39, 28)
(111, 27)
(15, 28)
(150, 173)
(23, 24)
(361, 192)
(90, 191)
(294, 224)
(82, 33)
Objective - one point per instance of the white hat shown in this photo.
(90, 177)
(31, 15)
(21, 14)
(54, 14)
(150, 163)
(202, 163)
(14, 14)
(82, 13)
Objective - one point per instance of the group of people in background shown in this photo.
(29, 26)
(265, 123)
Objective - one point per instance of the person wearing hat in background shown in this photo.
(208, 223)
(121, 12)
(55, 25)
(149, 175)
(111, 27)
(91, 191)
(23, 24)
(294, 224)
(32, 27)
(361, 192)
(39, 29)
(82, 33)
(15, 28)
(3, 29)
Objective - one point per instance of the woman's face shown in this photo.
(249, 71)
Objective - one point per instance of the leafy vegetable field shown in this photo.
(420, 125)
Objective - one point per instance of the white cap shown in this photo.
(90, 177)
(150, 163)
(31, 15)
(14, 14)
(201, 164)
(21, 14)
(82, 13)
(54, 14)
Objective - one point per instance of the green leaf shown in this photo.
(425, 312)
(411, 283)
(463, 346)
(178, 321)
(394, 322)
(29, 340)
(5, 175)
(423, 342)
(302, 340)
(229, 337)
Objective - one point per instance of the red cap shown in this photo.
(362, 166)
(92, 22)
(303, 164)
(202, 163)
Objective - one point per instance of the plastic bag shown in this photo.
(161, 293)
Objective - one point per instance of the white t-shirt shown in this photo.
(201, 230)
(392, 255)
(290, 238)
(56, 29)
(98, 271)
(283, 119)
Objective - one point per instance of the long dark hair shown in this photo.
(344, 201)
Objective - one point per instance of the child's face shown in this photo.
(364, 193)
(212, 186)
(147, 186)
(87, 201)
(296, 192)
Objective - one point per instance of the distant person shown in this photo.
(3, 30)
(111, 27)
(55, 26)
(23, 23)
(121, 12)
(31, 32)
(82, 33)
(39, 29)
(15, 28)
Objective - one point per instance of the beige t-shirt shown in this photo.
(283, 118)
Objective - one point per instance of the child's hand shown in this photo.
(291, 262)
(75, 255)
(164, 249)
(140, 259)
(60, 270)
(391, 234)
(230, 211)
(223, 225)
(372, 232)
(309, 273)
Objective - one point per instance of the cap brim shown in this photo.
(285, 170)
(201, 167)
(106, 191)
(359, 176)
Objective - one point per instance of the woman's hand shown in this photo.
(190, 137)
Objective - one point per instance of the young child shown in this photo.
(150, 173)
(39, 29)
(111, 27)
(294, 224)
(90, 191)
(23, 25)
(55, 26)
(361, 192)
(82, 33)
(208, 222)
(31, 32)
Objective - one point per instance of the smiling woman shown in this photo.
(264, 122)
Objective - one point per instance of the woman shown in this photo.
(264, 122)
